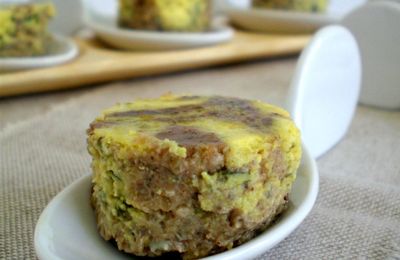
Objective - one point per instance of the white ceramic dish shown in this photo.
(325, 88)
(105, 26)
(69, 18)
(276, 21)
(376, 28)
(67, 230)
(61, 51)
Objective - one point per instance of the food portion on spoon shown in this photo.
(192, 175)
(23, 29)
(157, 25)
(282, 16)
(160, 15)
(25, 41)
(314, 6)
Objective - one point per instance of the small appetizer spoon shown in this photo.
(325, 88)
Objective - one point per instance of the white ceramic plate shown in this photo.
(276, 21)
(61, 51)
(67, 230)
(106, 28)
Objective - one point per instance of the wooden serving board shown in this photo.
(99, 63)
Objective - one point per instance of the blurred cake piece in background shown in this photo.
(314, 6)
(162, 15)
(23, 29)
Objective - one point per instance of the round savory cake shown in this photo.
(314, 6)
(23, 29)
(162, 15)
(194, 175)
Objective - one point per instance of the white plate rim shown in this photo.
(296, 19)
(253, 248)
(23, 63)
(219, 33)
(285, 14)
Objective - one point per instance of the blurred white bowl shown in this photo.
(69, 18)
(376, 27)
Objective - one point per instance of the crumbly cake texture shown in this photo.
(190, 174)
(165, 15)
(315, 6)
(23, 29)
